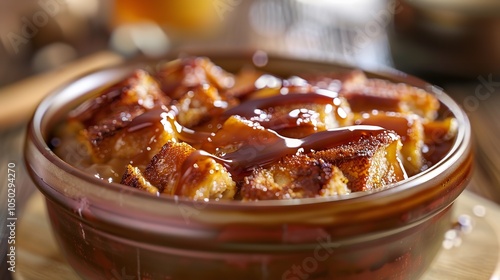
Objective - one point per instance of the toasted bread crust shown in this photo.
(118, 105)
(133, 177)
(296, 176)
(182, 75)
(370, 163)
(176, 170)
(105, 119)
(165, 168)
(409, 127)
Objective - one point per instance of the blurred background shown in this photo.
(452, 38)
(37, 36)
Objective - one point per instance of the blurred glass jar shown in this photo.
(194, 16)
(154, 27)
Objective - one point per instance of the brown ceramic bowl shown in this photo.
(107, 230)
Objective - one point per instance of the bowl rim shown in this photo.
(462, 141)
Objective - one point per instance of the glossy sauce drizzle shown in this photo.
(248, 108)
(248, 157)
(146, 120)
(167, 117)
(259, 151)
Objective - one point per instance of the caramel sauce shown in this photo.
(274, 147)
(91, 107)
(280, 146)
(247, 127)
(259, 148)
(146, 120)
(168, 118)
(367, 103)
(248, 108)
(401, 124)
(263, 110)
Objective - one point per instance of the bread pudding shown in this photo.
(189, 128)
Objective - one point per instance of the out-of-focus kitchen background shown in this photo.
(457, 38)
(39, 35)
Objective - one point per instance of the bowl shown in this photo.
(107, 230)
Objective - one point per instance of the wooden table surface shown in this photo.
(478, 256)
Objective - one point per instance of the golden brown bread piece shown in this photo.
(165, 168)
(198, 88)
(179, 170)
(206, 179)
(439, 131)
(335, 81)
(133, 177)
(296, 176)
(135, 144)
(399, 107)
(382, 95)
(300, 120)
(370, 163)
(107, 118)
(179, 76)
(366, 164)
(237, 132)
(200, 104)
(119, 104)
(409, 127)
